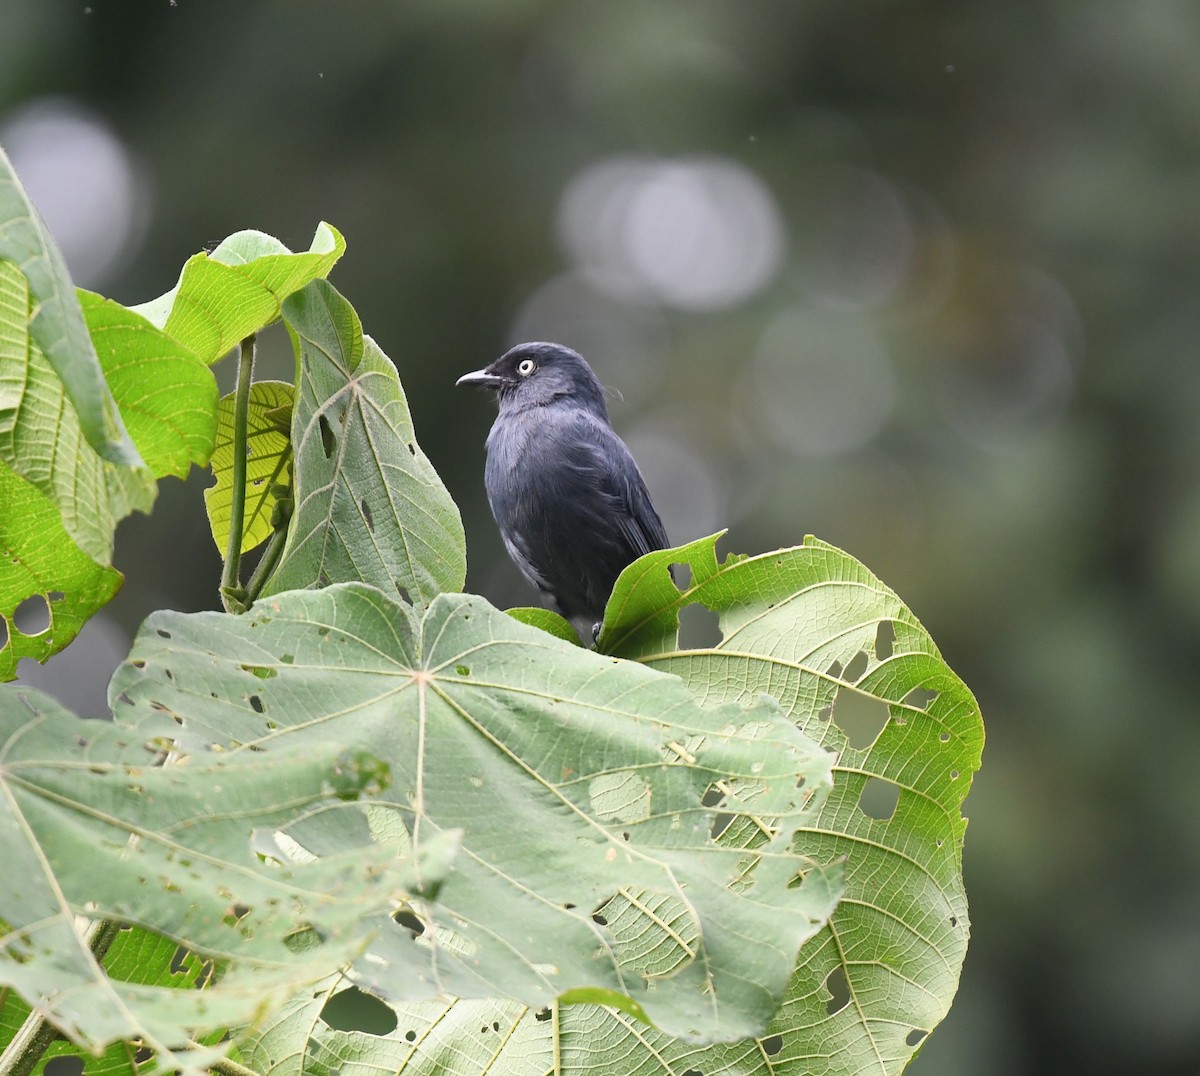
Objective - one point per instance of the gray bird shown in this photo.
(569, 500)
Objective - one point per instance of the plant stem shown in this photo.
(35, 1035)
(237, 517)
(266, 564)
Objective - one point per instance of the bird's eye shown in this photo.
(525, 367)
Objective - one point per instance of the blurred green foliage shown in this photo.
(988, 262)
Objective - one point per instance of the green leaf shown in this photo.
(582, 786)
(92, 823)
(167, 396)
(135, 956)
(41, 567)
(854, 669)
(268, 456)
(369, 505)
(57, 329)
(63, 500)
(546, 620)
(237, 290)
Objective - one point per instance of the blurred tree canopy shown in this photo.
(917, 278)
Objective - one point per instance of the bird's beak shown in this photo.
(482, 379)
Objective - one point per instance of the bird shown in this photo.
(571, 505)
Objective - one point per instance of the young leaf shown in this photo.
(369, 505)
(167, 396)
(237, 290)
(588, 792)
(854, 669)
(268, 456)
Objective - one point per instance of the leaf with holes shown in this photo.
(134, 956)
(237, 290)
(369, 505)
(268, 456)
(855, 670)
(92, 823)
(588, 791)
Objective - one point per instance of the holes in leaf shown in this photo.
(143, 1054)
(699, 627)
(919, 698)
(368, 519)
(462, 670)
(55, 596)
(954, 920)
(3, 632)
(256, 704)
(914, 1037)
(944, 736)
(713, 797)
(720, 824)
(885, 640)
(410, 921)
(179, 960)
(835, 669)
(327, 440)
(856, 666)
(286, 659)
(860, 717)
(879, 798)
(772, 1044)
(599, 919)
(163, 633)
(32, 616)
(542, 1015)
(410, 1036)
(412, 449)
(694, 1072)
(263, 672)
(839, 990)
(353, 1010)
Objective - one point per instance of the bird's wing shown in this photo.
(603, 457)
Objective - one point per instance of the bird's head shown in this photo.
(532, 375)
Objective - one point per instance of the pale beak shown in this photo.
(481, 379)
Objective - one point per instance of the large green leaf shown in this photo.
(64, 500)
(587, 791)
(268, 455)
(91, 823)
(56, 327)
(235, 291)
(854, 669)
(369, 505)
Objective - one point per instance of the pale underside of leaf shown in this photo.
(578, 784)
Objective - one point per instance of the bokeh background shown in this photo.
(921, 278)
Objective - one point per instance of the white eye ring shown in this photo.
(525, 367)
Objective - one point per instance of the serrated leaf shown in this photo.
(235, 291)
(268, 455)
(581, 785)
(91, 823)
(854, 669)
(56, 327)
(369, 505)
